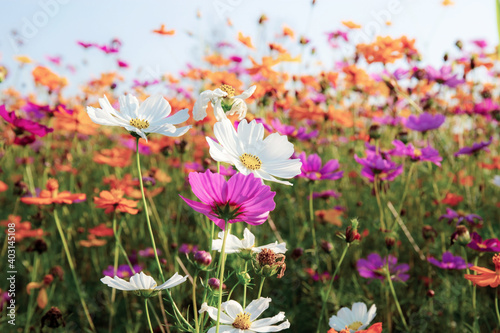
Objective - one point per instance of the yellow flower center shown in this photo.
(242, 321)
(355, 325)
(417, 152)
(228, 89)
(252, 162)
(139, 123)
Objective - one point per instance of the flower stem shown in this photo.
(195, 308)
(147, 315)
(313, 228)
(379, 203)
(245, 287)
(222, 263)
(72, 268)
(405, 191)
(393, 291)
(496, 306)
(261, 285)
(330, 288)
(146, 210)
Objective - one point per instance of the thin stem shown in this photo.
(222, 263)
(195, 308)
(405, 191)
(36, 261)
(313, 228)
(261, 285)
(73, 272)
(388, 275)
(146, 210)
(147, 315)
(496, 306)
(330, 287)
(379, 203)
(245, 287)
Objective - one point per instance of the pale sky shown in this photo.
(52, 27)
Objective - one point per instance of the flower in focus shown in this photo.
(486, 277)
(488, 245)
(449, 262)
(52, 195)
(474, 149)
(356, 319)
(113, 201)
(312, 169)
(451, 215)
(142, 284)
(373, 267)
(425, 122)
(240, 199)
(236, 319)
(375, 165)
(247, 244)
(247, 151)
(152, 116)
(223, 101)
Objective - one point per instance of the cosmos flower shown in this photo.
(374, 164)
(299, 133)
(486, 277)
(444, 76)
(142, 284)
(449, 262)
(356, 319)
(223, 101)
(51, 195)
(113, 201)
(152, 116)
(240, 199)
(22, 126)
(425, 154)
(235, 319)
(235, 245)
(425, 122)
(312, 169)
(488, 245)
(475, 148)
(249, 153)
(451, 215)
(373, 267)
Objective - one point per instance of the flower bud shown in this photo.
(244, 278)
(430, 293)
(461, 236)
(326, 246)
(203, 258)
(58, 272)
(374, 132)
(429, 233)
(403, 137)
(389, 242)
(297, 253)
(38, 245)
(53, 318)
(214, 283)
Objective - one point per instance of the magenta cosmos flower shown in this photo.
(475, 148)
(240, 199)
(312, 169)
(488, 245)
(425, 154)
(373, 267)
(425, 122)
(374, 164)
(24, 125)
(449, 262)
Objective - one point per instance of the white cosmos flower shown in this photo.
(249, 152)
(247, 244)
(236, 320)
(222, 99)
(496, 180)
(356, 319)
(143, 284)
(150, 117)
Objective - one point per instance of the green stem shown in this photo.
(379, 203)
(245, 287)
(393, 291)
(313, 228)
(260, 287)
(147, 315)
(496, 306)
(73, 272)
(222, 263)
(36, 261)
(146, 211)
(195, 308)
(115, 269)
(323, 306)
(405, 191)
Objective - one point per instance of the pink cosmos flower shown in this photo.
(312, 169)
(240, 199)
(21, 126)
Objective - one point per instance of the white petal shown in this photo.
(201, 104)
(228, 138)
(102, 117)
(276, 147)
(251, 135)
(248, 239)
(268, 321)
(154, 108)
(232, 308)
(117, 283)
(256, 307)
(212, 312)
(142, 281)
(266, 176)
(283, 169)
(277, 248)
(175, 280)
(224, 329)
(129, 105)
(217, 152)
(371, 314)
(179, 117)
(233, 244)
(247, 93)
(280, 327)
(338, 323)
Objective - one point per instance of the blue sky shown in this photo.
(52, 27)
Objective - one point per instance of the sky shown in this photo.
(52, 27)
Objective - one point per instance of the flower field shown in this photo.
(241, 196)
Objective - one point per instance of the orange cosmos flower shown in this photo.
(115, 157)
(351, 25)
(3, 187)
(247, 41)
(113, 201)
(52, 196)
(375, 328)
(23, 59)
(288, 32)
(487, 277)
(162, 31)
(101, 231)
(452, 199)
(92, 241)
(217, 60)
(45, 77)
(23, 229)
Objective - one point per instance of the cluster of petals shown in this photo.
(51, 195)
